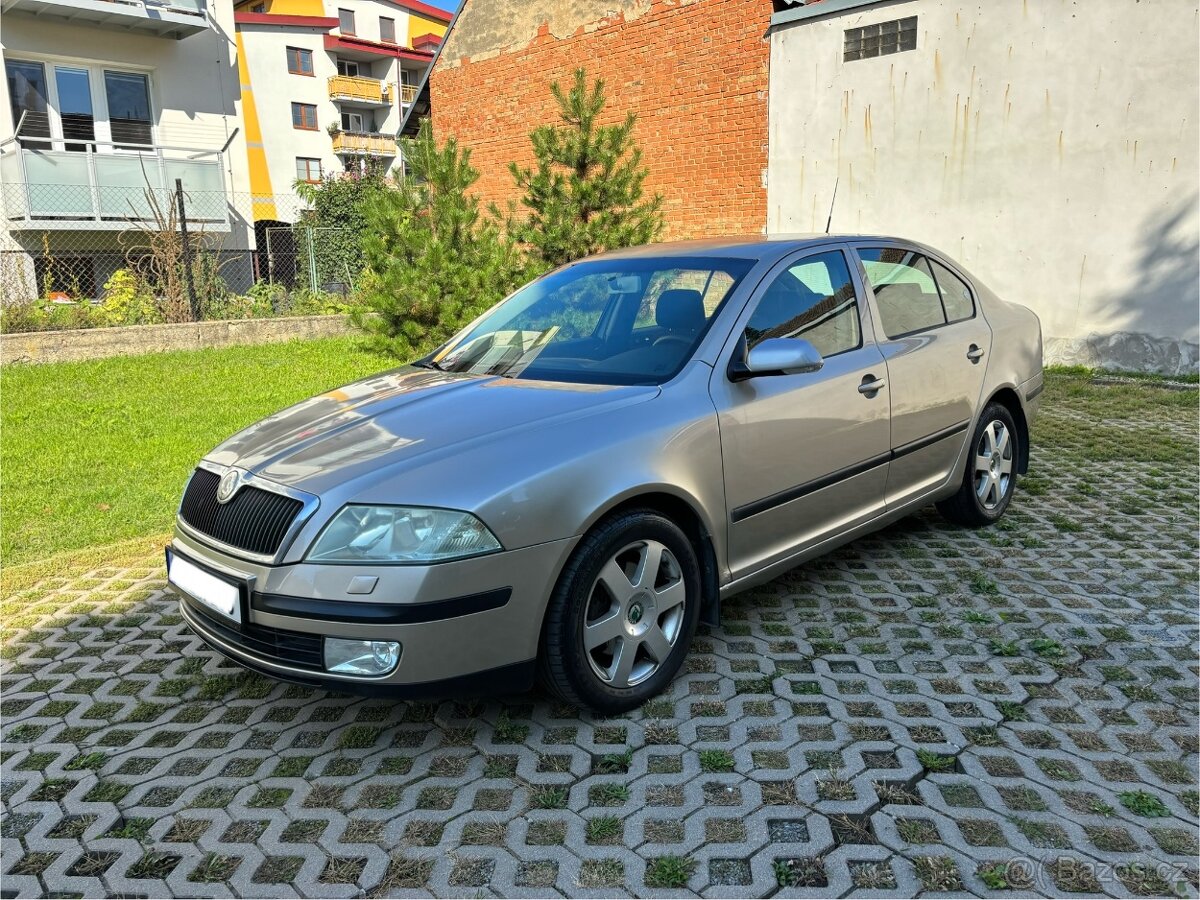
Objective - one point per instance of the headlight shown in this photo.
(401, 534)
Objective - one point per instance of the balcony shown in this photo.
(408, 93)
(364, 144)
(108, 188)
(176, 19)
(359, 91)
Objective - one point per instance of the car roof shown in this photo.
(746, 247)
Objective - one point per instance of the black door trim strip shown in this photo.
(795, 493)
(380, 613)
(1037, 390)
(929, 439)
(800, 490)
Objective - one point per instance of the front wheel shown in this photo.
(623, 613)
(991, 471)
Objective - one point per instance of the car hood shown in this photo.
(397, 418)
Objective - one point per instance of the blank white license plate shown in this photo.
(215, 593)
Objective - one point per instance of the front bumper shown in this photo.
(469, 624)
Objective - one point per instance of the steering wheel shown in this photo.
(685, 342)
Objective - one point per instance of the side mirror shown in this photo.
(778, 356)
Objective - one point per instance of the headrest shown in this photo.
(680, 311)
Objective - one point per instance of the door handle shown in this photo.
(871, 384)
(974, 353)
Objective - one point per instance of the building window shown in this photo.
(258, 8)
(57, 105)
(880, 40)
(304, 115)
(354, 123)
(308, 169)
(29, 95)
(347, 67)
(387, 30)
(129, 118)
(299, 61)
(346, 21)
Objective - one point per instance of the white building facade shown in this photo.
(325, 84)
(104, 102)
(1051, 147)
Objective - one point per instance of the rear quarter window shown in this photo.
(956, 296)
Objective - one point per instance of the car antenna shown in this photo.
(829, 221)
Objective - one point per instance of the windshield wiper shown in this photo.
(430, 364)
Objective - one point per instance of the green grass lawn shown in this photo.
(97, 452)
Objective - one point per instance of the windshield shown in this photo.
(620, 321)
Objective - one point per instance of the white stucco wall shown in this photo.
(1051, 146)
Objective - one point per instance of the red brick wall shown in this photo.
(695, 73)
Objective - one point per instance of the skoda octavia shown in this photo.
(578, 477)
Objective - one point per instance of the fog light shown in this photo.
(351, 657)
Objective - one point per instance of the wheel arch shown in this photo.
(1011, 400)
(684, 513)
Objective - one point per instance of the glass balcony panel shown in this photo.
(58, 184)
(16, 204)
(204, 192)
(121, 182)
(108, 190)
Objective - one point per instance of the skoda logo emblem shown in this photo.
(227, 486)
(635, 614)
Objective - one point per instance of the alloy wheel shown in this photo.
(635, 614)
(993, 465)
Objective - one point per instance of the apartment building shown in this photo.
(325, 85)
(106, 103)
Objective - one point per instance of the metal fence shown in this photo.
(60, 245)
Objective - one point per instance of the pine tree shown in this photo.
(433, 262)
(585, 194)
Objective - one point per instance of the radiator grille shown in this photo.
(293, 648)
(254, 520)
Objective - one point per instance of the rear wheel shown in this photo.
(991, 471)
(623, 613)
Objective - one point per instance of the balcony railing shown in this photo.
(171, 18)
(107, 186)
(360, 90)
(372, 144)
(408, 93)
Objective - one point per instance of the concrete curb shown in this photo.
(98, 343)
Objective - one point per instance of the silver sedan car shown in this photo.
(582, 474)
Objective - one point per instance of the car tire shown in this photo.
(610, 644)
(990, 474)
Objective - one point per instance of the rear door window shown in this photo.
(905, 291)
